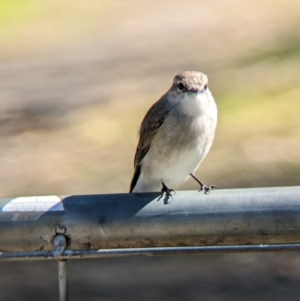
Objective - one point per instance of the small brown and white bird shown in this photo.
(175, 135)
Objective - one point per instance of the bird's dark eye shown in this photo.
(180, 86)
(205, 87)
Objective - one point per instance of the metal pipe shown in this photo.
(224, 217)
(60, 244)
(62, 280)
(106, 253)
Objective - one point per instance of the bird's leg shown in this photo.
(204, 187)
(166, 190)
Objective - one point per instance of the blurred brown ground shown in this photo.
(75, 81)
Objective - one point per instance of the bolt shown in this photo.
(60, 229)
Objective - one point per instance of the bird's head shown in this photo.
(190, 92)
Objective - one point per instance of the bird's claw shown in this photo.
(167, 191)
(203, 187)
(207, 189)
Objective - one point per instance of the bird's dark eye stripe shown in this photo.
(180, 86)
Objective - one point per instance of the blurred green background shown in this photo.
(76, 78)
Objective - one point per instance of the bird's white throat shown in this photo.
(198, 104)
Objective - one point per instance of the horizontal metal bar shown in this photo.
(113, 221)
(79, 254)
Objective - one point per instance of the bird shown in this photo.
(175, 136)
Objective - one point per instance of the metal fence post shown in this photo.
(60, 244)
(63, 280)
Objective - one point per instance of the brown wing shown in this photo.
(153, 120)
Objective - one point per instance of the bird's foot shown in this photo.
(206, 188)
(166, 190)
(203, 187)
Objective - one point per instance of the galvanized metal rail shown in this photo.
(236, 220)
